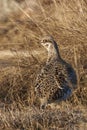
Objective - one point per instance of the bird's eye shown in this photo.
(44, 41)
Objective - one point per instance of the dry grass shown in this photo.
(20, 33)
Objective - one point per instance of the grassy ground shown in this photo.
(21, 57)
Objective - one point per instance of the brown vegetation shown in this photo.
(20, 33)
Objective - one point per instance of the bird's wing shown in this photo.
(65, 74)
(63, 90)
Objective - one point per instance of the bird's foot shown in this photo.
(43, 106)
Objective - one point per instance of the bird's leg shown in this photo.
(43, 106)
(43, 103)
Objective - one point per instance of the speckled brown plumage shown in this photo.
(57, 78)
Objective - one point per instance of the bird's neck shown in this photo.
(53, 54)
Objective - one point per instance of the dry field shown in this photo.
(22, 56)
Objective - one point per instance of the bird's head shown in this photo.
(51, 46)
(48, 42)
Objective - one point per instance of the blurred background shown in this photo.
(22, 24)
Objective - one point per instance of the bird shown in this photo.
(57, 79)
